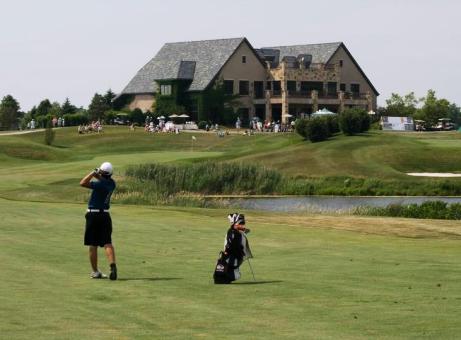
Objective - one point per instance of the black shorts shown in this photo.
(98, 229)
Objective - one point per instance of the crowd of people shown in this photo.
(162, 126)
(257, 125)
(58, 122)
(95, 126)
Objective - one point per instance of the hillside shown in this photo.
(375, 161)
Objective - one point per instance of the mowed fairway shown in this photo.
(317, 276)
(314, 279)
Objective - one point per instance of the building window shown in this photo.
(165, 90)
(342, 87)
(341, 63)
(291, 86)
(309, 86)
(331, 88)
(258, 89)
(228, 86)
(268, 85)
(276, 88)
(355, 88)
(244, 59)
(244, 87)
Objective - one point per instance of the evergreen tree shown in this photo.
(108, 97)
(97, 107)
(9, 109)
(68, 108)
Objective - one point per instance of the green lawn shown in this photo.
(383, 159)
(318, 276)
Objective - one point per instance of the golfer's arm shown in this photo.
(85, 182)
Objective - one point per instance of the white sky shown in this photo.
(57, 48)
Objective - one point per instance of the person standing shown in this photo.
(98, 229)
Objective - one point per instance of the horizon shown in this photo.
(76, 50)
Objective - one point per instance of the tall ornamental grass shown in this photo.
(207, 178)
(430, 209)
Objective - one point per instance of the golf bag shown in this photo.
(236, 250)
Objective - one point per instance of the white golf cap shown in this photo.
(107, 168)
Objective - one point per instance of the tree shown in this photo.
(398, 106)
(43, 108)
(97, 107)
(55, 109)
(434, 109)
(9, 110)
(137, 116)
(68, 108)
(108, 97)
(454, 114)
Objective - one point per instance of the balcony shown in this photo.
(354, 95)
(300, 94)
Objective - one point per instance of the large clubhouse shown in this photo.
(272, 83)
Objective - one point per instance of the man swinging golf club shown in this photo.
(98, 230)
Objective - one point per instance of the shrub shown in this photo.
(137, 116)
(353, 121)
(316, 129)
(49, 133)
(74, 119)
(333, 124)
(202, 124)
(429, 209)
(300, 127)
(42, 121)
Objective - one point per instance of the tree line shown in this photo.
(11, 116)
(102, 107)
(428, 108)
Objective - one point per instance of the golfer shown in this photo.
(98, 230)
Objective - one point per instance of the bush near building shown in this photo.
(314, 129)
(353, 121)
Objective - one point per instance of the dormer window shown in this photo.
(244, 59)
(165, 90)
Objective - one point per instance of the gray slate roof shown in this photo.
(321, 53)
(197, 60)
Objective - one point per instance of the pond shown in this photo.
(324, 203)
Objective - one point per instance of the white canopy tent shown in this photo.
(323, 112)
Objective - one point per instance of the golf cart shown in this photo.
(121, 119)
(420, 125)
(445, 124)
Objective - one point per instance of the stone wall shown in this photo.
(142, 101)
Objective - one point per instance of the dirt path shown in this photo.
(23, 132)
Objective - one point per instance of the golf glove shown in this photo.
(247, 231)
(96, 171)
